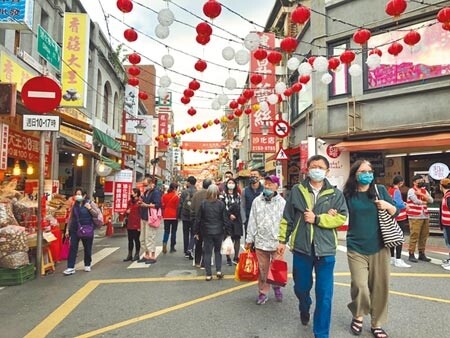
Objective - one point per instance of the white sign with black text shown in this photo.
(41, 122)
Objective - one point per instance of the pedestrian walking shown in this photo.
(184, 213)
(368, 258)
(254, 189)
(232, 200)
(133, 219)
(313, 212)
(445, 218)
(170, 201)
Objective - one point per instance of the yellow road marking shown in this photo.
(163, 311)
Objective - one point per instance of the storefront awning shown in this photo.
(389, 143)
(110, 163)
(106, 140)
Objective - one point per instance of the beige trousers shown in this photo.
(369, 285)
(148, 237)
(419, 229)
(264, 259)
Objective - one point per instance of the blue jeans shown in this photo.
(170, 227)
(303, 280)
(87, 245)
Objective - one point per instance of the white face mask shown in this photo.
(231, 186)
(78, 198)
(317, 174)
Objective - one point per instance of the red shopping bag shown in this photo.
(278, 273)
(247, 268)
(65, 247)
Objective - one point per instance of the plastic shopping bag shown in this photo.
(247, 268)
(65, 247)
(227, 247)
(278, 273)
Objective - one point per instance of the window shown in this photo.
(340, 84)
(426, 60)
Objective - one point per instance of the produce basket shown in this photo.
(16, 276)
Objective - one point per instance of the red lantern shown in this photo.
(182, 133)
(230, 117)
(347, 57)
(288, 92)
(311, 60)
(446, 26)
(133, 70)
(300, 15)
(205, 125)
(193, 129)
(395, 48)
(376, 51)
(143, 95)
(333, 63)
(192, 111)
(200, 65)
(248, 111)
(238, 112)
(125, 6)
(212, 9)
(241, 100)
(274, 57)
(233, 104)
(248, 93)
(443, 16)
(203, 28)
(288, 44)
(395, 7)
(194, 84)
(130, 35)
(304, 79)
(216, 121)
(133, 81)
(167, 143)
(256, 79)
(296, 87)
(134, 58)
(361, 36)
(185, 100)
(188, 92)
(202, 39)
(260, 54)
(412, 38)
(173, 135)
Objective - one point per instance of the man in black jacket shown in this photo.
(184, 213)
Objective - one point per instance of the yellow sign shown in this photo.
(76, 114)
(12, 72)
(83, 138)
(75, 59)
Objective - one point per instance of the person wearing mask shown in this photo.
(402, 220)
(169, 202)
(262, 233)
(255, 188)
(368, 258)
(211, 225)
(226, 177)
(313, 212)
(150, 199)
(419, 218)
(133, 225)
(184, 213)
(197, 199)
(445, 218)
(82, 213)
(232, 200)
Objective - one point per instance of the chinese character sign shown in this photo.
(75, 59)
(4, 132)
(163, 128)
(122, 190)
(131, 102)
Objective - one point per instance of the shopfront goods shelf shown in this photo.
(16, 276)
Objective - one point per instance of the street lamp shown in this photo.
(140, 127)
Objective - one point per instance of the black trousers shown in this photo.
(188, 236)
(133, 240)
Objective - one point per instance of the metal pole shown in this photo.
(154, 162)
(40, 196)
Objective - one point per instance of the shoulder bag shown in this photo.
(84, 230)
(391, 232)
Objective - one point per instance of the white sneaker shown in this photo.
(87, 268)
(392, 260)
(69, 271)
(399, 263)
(447, 267)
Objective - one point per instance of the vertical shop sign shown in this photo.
(75, 59)
(4, 132)
(122, 189)
(264, 115)
(11, 71)
(163, 128)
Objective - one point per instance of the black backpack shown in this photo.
(186, 208)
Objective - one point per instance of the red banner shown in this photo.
(304, 157)
(188, 145)
(163, 128)
(122, 192)
(264, 115)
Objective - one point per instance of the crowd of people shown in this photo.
(306, 222)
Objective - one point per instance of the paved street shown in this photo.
(171, 299)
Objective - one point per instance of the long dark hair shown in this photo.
(172, 187)
(351, 186)
(235, 190)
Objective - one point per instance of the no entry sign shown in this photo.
(41, 94)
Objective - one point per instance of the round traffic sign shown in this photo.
(41, 94)
(281, 128)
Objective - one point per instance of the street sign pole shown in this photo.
(40, 197)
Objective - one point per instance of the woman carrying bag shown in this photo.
(133, 225)
(232, 200)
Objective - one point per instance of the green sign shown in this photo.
(48, 48)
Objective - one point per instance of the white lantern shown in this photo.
(165, 81)
(165, 17)
(230, 83)
(293, 63)
(272, 98)
(162, 32)
(320, 64)
(228, 53)
(223, 99)
(167, 61)
(264, 106)
(373, 61)
(355, 70)
(242, 57)
(251, 41)
(326, 78)
(215, 104)
(305, 69)
(280, 87)
(162, 92)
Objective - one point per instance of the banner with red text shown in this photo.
(163, 128)
(190, 145)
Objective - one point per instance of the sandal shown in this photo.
(356, 326)
(378, 332)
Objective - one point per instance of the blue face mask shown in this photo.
(365, 178)
(267, 192)
(317, 174)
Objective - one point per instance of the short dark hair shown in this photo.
(192, 180)
(206, 183)
(318, 158)
(397, 179)
(417, 177)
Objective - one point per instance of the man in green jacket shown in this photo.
(312, 213)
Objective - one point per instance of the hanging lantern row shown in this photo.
(202, 151)
(202, 163)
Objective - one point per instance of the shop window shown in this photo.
(426, 60)
(340, 84)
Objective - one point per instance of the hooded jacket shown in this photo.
(323, 232)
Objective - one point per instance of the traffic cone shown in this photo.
(109, 229)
